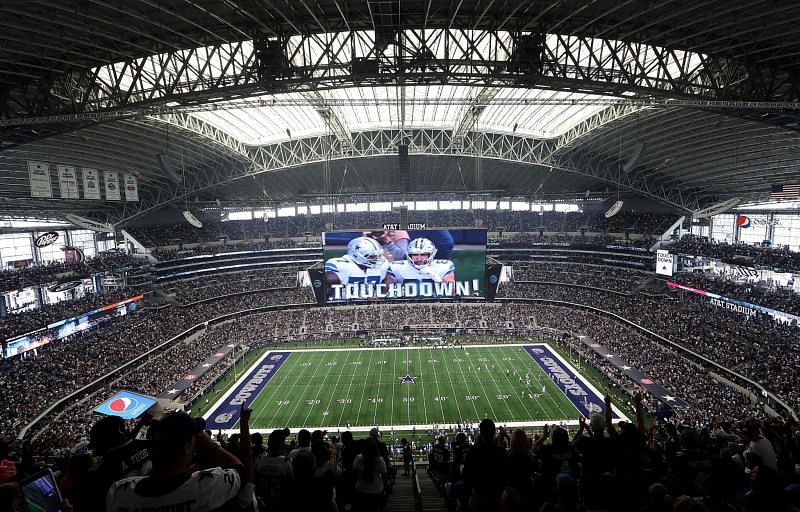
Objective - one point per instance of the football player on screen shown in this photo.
(363, 263)
(421, 265)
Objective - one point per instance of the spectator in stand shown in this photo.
(370, 470)
(440, 459)
(119, 455)
(170, 485)
(519, 492)
(485, 470)
(273, 473)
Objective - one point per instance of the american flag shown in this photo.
(783, 192)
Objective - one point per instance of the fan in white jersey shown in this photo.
(363, 263)
(421, 265)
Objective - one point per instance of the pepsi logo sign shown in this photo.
(493, 279)
(121, 405)
(317, 283)
(46, 239)
(743, 221)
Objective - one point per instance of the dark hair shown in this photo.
(487, 429)
(370, 455)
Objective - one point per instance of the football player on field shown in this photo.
(363, 263)
(421, 265)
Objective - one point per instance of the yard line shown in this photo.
(277, 386)
(438, 391)
(364, 388)
(312, 382)
(500, 391)
(394, 373)
(527, 411)
(344, 406)
(332, 393)
(408, 391)
(424, 404)
(480, 381)
(547, 376)
(455, 395)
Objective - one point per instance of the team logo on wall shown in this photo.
(743, 221)
(46, 239)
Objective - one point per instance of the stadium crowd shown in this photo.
(206, 287)
(494, 220)
(756, 292)
(756, 346)
(739, 254)
(20, 323)
(15, 279)
(602, 276)
(31, 382)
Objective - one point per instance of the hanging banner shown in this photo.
(131, 188)
(664, 263)
(39, 173)
(91, 184)
(68, 181)
(112, 185)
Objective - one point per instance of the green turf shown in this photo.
(364, 388)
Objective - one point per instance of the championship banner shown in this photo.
(131, 188)
(179, 387)
(112, 185)
(39, 174)
(664, 262)
(68, 181)
(91, 184)
(632, 373)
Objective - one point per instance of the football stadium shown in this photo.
(273, 255)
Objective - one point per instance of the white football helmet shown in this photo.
(365, 252)
(421, 246)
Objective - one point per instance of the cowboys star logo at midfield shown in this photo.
(407, 379)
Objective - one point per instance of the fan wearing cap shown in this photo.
(175, 440)
(273, 473)
(119, 456)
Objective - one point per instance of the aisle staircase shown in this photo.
(415, 494)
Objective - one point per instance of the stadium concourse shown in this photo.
(365, 256)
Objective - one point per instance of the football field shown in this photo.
(407, 388)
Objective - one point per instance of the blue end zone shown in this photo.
(226, 414)
(571, 384)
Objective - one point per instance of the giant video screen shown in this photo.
(411, 265)
(68, 326)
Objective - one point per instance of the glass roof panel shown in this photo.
(369, 108)
(536, 120)
(267, 124)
